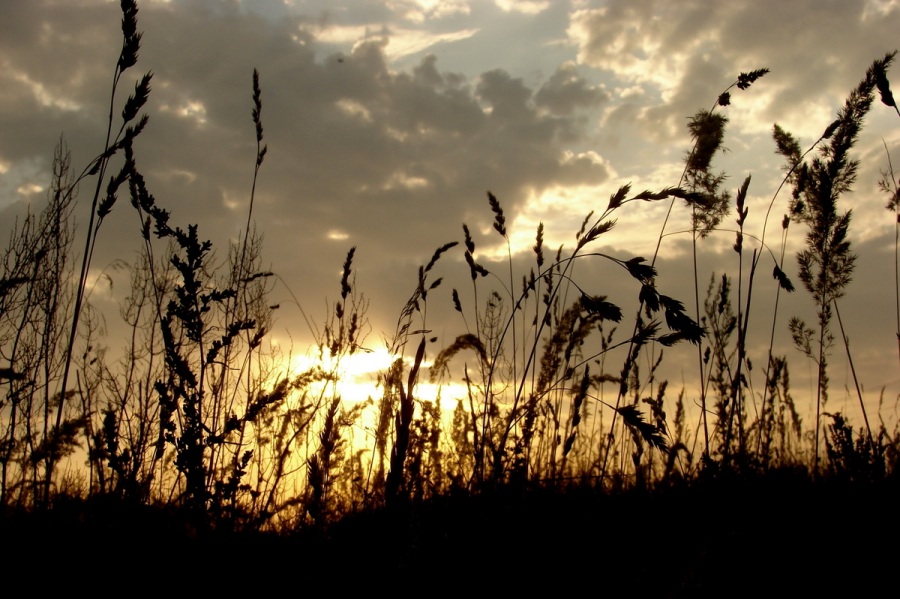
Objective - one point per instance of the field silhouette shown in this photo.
(561, 455)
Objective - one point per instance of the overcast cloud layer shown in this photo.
(387, 122)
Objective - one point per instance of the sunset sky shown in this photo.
(388, 121)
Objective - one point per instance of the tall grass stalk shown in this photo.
(131, 41)
(708, 206)
(827, 263)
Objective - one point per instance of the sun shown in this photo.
(359, 375)
(356, 374)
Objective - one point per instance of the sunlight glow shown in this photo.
(359, 377)
(357, 374)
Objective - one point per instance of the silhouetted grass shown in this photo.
(199, 448)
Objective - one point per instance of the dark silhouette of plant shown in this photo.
(826, 264)
(35, 302)
(709, 203)
(397, 406)
(888, 183)
(855, 460)
(129, 129)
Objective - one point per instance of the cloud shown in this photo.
(565, 92)
(359, 154)
(687, 52)
(528, 7)
(418, 11)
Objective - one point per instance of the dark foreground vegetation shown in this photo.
(737, 536)
(563, 464)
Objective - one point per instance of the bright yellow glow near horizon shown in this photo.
(359, 376)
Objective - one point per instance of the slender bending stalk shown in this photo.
(826, 264)
(888, 184)
(708, 203)
(862, 406)
(127, 58)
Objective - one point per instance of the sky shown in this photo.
(387, 122)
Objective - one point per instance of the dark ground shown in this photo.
(776, 535)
